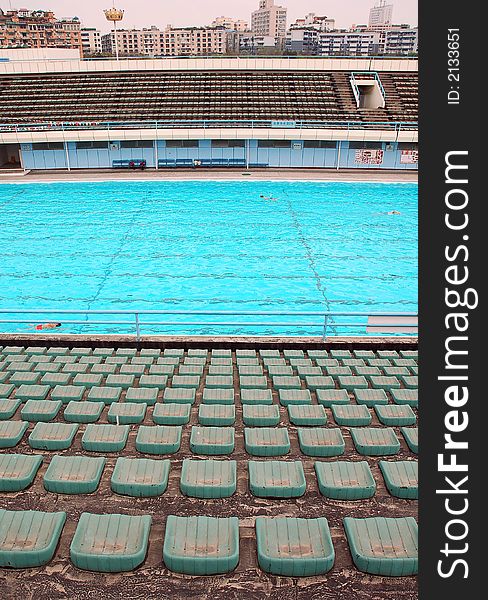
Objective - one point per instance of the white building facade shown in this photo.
(91, 41)
(269, 20)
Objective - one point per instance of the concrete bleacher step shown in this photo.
(201, 545)
(208, 478)
(383, 546)
(29, 538)
(110, 543)
(140, 477)
(293, 547)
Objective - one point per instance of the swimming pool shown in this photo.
(208, 245)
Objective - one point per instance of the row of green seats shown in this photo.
(144, 477)
(201, 545)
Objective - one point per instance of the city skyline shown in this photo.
(162, 13)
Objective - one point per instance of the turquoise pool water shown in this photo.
(208, 245)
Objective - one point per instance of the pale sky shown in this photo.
(145, 13)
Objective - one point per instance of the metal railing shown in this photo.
(201, 124)
(328, 322)
(370, 75)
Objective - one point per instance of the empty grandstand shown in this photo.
(161, 112)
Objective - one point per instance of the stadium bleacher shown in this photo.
(94, 447)
(217, 95)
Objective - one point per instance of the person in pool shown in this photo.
(42, 326)
(268, 197)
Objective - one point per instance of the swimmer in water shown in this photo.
(394, 212)
(42, 326)
(268, 198)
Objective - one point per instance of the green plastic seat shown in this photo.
(126, 352)
(253, 382)
(212, 440)
(329, 397)
(158, 439)
(383, 546)
(280, 370)
(73, 368)
(293, 547)
(411, 354)
(74, 474)
(107, 395)
(140, 477)
(379, 362)
(52, 436)
(276, 479)
(81, 351)
(110, 543)
(159, 382)
(286, 382)
(219, 382)
(305, 371)
(32, 392)
(24, 378)
(106, 369)
(411, 435)
(105, 438)
(250, 370)
(405, 396)
(221, 353)
(293, 353)
(395, 415)
(55, 379)
(274, 361)
(143, 360)
(345, 480)
(150, 352)
(352, 382)
(147, 396)
(269, 353)
(171, 414)
(40, 410)
(317, 354)
(307, 414)
(303, 363)
(88, 380)
(261, 415)
(11, 432)
(29, 538)
(411, 382)
(384, 383)
(294, 396)
(186, 381)
(396, 371)
(390, 354)
(126, 413)
(6, 390)
(134, 370)
(375, 441)
(50, 367)
(198, 352)
(401, 478)
(208, 478)
(103, 352)
(175, 352)
(17, 471)
(404, 362)
(168, 361)
(216, 368)
(351, 415)
(67, 393)
(187, 370)
(256, 396)
(83, 412)
(319, 441)
(97, 360)
(266, 441)
(179, 395)
(8, 408)
(353, 362)
(218, 395)
(319, 382)
(216, 415)
(120, 381)
(367, 372)
(371, 398)
(340, 371)
(35, 350)
(201, 545)
(159, 371)
(245, 353)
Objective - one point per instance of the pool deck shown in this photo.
(354, 175)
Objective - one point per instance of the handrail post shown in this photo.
(138, 328)
(326, 318)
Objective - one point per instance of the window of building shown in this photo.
(228, 144)
(319, 144)
(137, 144)
(48, 146)
(91, 145)
(181, 143)
(365, 145)
(273, 143)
